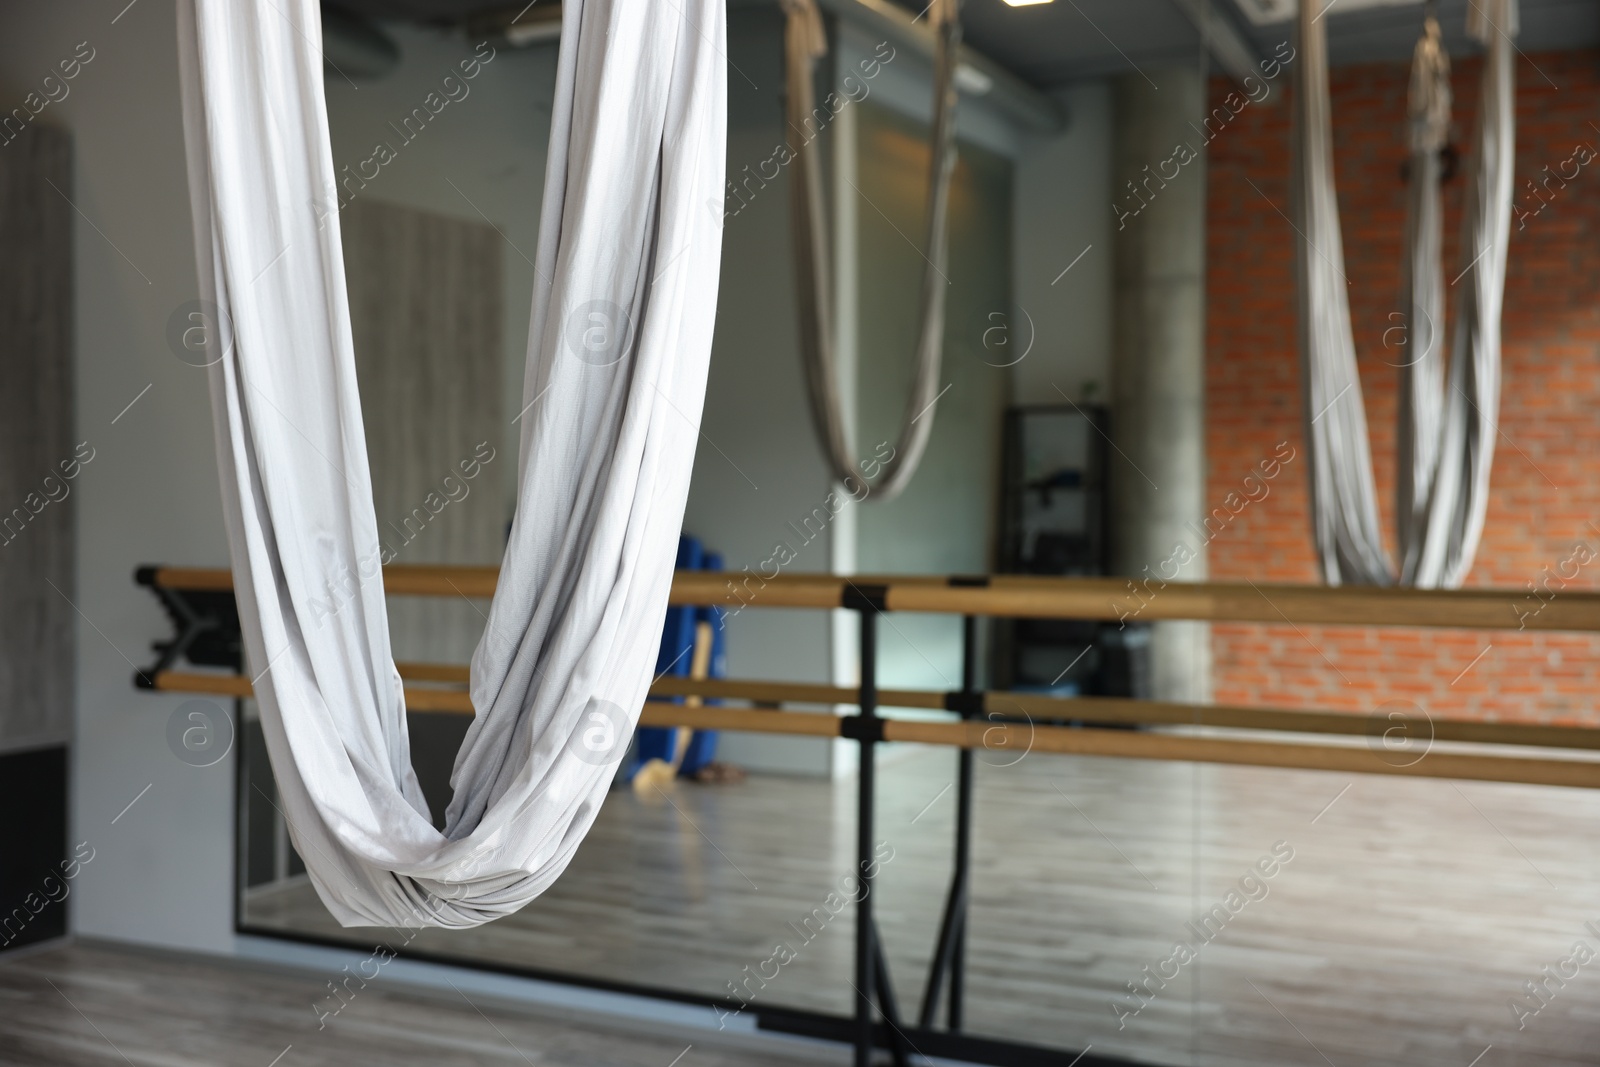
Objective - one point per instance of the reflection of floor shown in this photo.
(1410, 914)
(99, 1006)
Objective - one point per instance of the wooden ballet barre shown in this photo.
(454, 701)
(1022, 596)
(1025, 707)
(399, 579)
(1004, 707)
(1018, 737)
(1123, 744)
(1111, 600)
(459, 702)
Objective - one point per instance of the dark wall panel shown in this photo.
(36, 876)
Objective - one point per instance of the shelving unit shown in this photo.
(1055, 521)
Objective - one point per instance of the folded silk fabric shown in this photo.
(1446, 418)
(620, 338)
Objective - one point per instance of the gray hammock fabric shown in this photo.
(620, 338)
(1446, 417)
(1422, 363)
(806, 41)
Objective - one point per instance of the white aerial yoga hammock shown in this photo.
(627, 272)
(1447, 418)
(805, 41)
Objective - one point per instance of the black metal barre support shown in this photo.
(871, 965)
(871, 962)
(949, 955)
(970, 684)
(866, 786)
(205, 627)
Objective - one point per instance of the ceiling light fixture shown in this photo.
(1026, 3)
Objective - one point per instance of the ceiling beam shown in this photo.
(1231, 50)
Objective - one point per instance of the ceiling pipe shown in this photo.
(1230, 49)
(354, 46)
(976, 74)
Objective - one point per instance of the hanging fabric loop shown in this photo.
(806, 41)
(627, 268)
(1447, 416)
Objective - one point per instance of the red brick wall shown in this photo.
(1546, 483)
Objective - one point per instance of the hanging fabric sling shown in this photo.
(1446, 417)
(627, 271)
(806, 41)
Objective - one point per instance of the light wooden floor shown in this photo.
(99, 1006)
(1410, 914)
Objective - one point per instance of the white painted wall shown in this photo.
(1062, 207)
(162, 869)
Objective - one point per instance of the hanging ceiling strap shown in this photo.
(805, 41)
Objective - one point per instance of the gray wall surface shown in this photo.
(944, 522)
(40, 463)
(1062, 244)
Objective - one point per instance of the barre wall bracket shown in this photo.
(205, 626)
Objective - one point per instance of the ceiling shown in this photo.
(1070, 39)
(1065, 40)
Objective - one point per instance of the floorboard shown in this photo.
(101, 1006)
(1411, 913)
